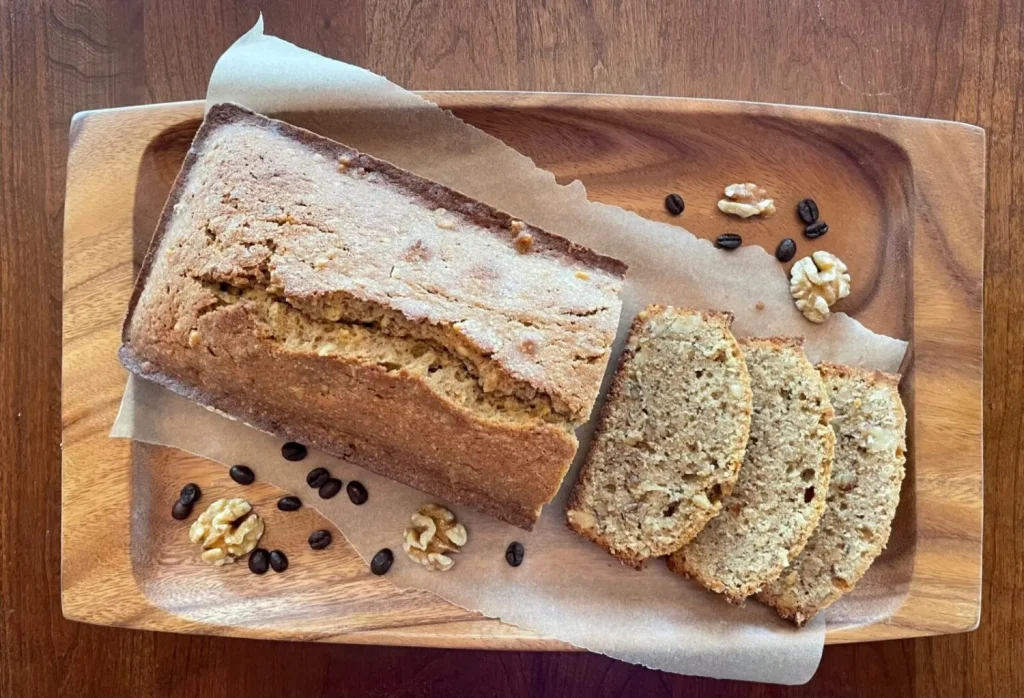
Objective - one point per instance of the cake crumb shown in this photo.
(759, 305)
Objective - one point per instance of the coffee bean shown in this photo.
(190, 493)
(278, 561)
(816, 229)
(317, 477)
(807, 210)
(318, 540)
(357, 493)
(293, 451)
(181, 510)
(258, 561)
(729, 241)
(786, 250)
(330, 488)
(289, 503)
(514, 553)
(242, 474)
(674, 204)
(381, 562)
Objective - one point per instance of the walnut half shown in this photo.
(227, 530)
(746, 200)
(817, 282)
(432, 535)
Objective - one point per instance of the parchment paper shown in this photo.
(567, 588)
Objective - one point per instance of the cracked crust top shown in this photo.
(320, 223)
(334, 299)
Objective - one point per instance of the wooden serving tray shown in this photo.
(905, 200)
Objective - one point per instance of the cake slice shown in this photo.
(671, 436)
(870, 426)
(780, 494)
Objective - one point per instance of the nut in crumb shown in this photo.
(432, 535)
(344, 162)
(817, 282)
(523, 242)
(443, 220)
(701, 501)
(517, 226)
(746, 200)
(582, 275)
(194, 338)
(227, 530)
(876, 439)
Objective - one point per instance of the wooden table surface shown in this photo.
(949, 60)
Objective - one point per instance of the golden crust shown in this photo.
(385, 419)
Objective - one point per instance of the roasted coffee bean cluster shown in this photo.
(808, 212)
(189, 495)
(260, 560)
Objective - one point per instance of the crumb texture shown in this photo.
(783, 482)
(864, 490)
(671, 437)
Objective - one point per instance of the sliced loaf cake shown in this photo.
(870, 426)
(671, 437)
(780, 494)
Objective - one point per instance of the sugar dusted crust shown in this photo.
(322, 295)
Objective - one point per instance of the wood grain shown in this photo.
(946, 60)
(915, 265)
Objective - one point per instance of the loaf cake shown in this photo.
(864, 490)
(334, 299)
(780, 494)
(671, 436)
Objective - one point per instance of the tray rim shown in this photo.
(81, 602)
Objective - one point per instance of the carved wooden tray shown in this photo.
(906, 200)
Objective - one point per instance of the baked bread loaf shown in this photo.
(334, 299)
(780, 494)
(870, 426)
(671, 436)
